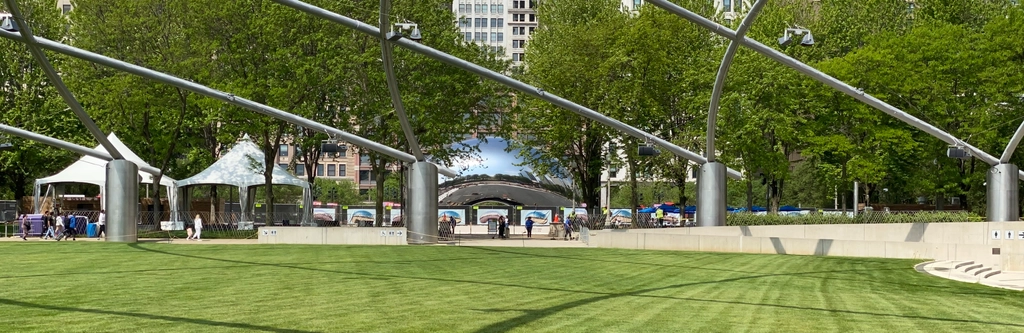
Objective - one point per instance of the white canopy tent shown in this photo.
(91, 170)
(242, 166)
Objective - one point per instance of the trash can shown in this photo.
(92, 230)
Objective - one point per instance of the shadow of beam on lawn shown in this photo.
(65, 309)
(532, 315)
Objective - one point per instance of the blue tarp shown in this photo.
(788, 209)
(664, 208)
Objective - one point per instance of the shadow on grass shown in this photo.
(66, 309)
(530, 316)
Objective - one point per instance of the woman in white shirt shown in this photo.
(198, 222)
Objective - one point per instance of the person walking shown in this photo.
(101, 224)
(60, 227)
(501, 227)
(48, 226)
(198, 225)
(568, 229)
(25, 226)
(660, 215)
(451, 219)
(529, 227)
(73, 227)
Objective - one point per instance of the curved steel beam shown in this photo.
(723, 72)
(58, 143)
(51, 74)
(387, 57)
(497, 77)
(219, 95)
(823, 78)
(1012, 146)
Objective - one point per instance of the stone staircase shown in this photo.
(971, 272)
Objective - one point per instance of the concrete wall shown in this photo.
(940, 241)
(335, 235)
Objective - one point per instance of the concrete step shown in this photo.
(982, 270)
(962, 264)
(991, 274)
(967, 269)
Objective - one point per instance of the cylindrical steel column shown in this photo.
(711, 190)
(1002, 193)
(421, 215)
(122, 201)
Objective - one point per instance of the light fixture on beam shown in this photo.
(787, 37)
(647, 150)
(414, 33)
(6, 146)
(8, 23)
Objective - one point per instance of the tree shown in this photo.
(28, 101)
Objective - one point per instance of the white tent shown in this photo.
(91, 170)
(242, 166)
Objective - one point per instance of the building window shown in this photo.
(483, 37)
(464, 23)
(341, 170)
(469, 36)
(518, 17)
(364, 177)
(518, 43)
(283, 166)
(636, 4)
(364, 159)
(533, 17)
(300, 169)
(319, 170)
(727, 5)
(517, 57)
(515, 31)
(532, 29)
(65, 9)
(462, 8)
(283, 150)
(330, 170)
(501, 37)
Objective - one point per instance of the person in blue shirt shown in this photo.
(72, 226)
(529, 227)
(568, 228)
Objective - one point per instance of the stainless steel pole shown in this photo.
(823, 78)
(219, 95)
(123, 188)
(422, 211)
(500, 78)
(723, 72)
(387, 58)
(51, 74)
(1002, 193)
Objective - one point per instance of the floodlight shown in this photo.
(808, 40)
(647, 151)
(415, 35)
(957, 152)
(396, 33)
(6, 146)
(9, 24)
(785, 40)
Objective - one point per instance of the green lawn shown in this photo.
(106, 287)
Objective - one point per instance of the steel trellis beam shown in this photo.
(723, 72)
(218, 95)
(823, 78)
(51, 74)
(497, 77)
(387, 57)
(82, 150)
(1012, 145)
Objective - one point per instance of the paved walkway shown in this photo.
(968, 271)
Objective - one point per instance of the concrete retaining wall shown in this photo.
(333, 235)
(977, 241)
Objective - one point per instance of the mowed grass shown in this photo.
(148, 287)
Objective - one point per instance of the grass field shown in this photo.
(105, 287)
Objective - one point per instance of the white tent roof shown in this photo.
(91, 170)
(242, 166)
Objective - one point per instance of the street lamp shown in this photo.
(396, 32)
(786, 39)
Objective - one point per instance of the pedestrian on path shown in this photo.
(48, 226)
(568, 229)
(198, 225)
(529, 227)
(101, 224)
(25, 226)
(60, 226)
(73, 227)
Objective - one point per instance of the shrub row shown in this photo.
(748, 219)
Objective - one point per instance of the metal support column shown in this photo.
(387, 57)
(122, 200)
(1003, 203)
(421, 215)
(711, 190)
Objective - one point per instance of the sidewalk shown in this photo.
(968, 271)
